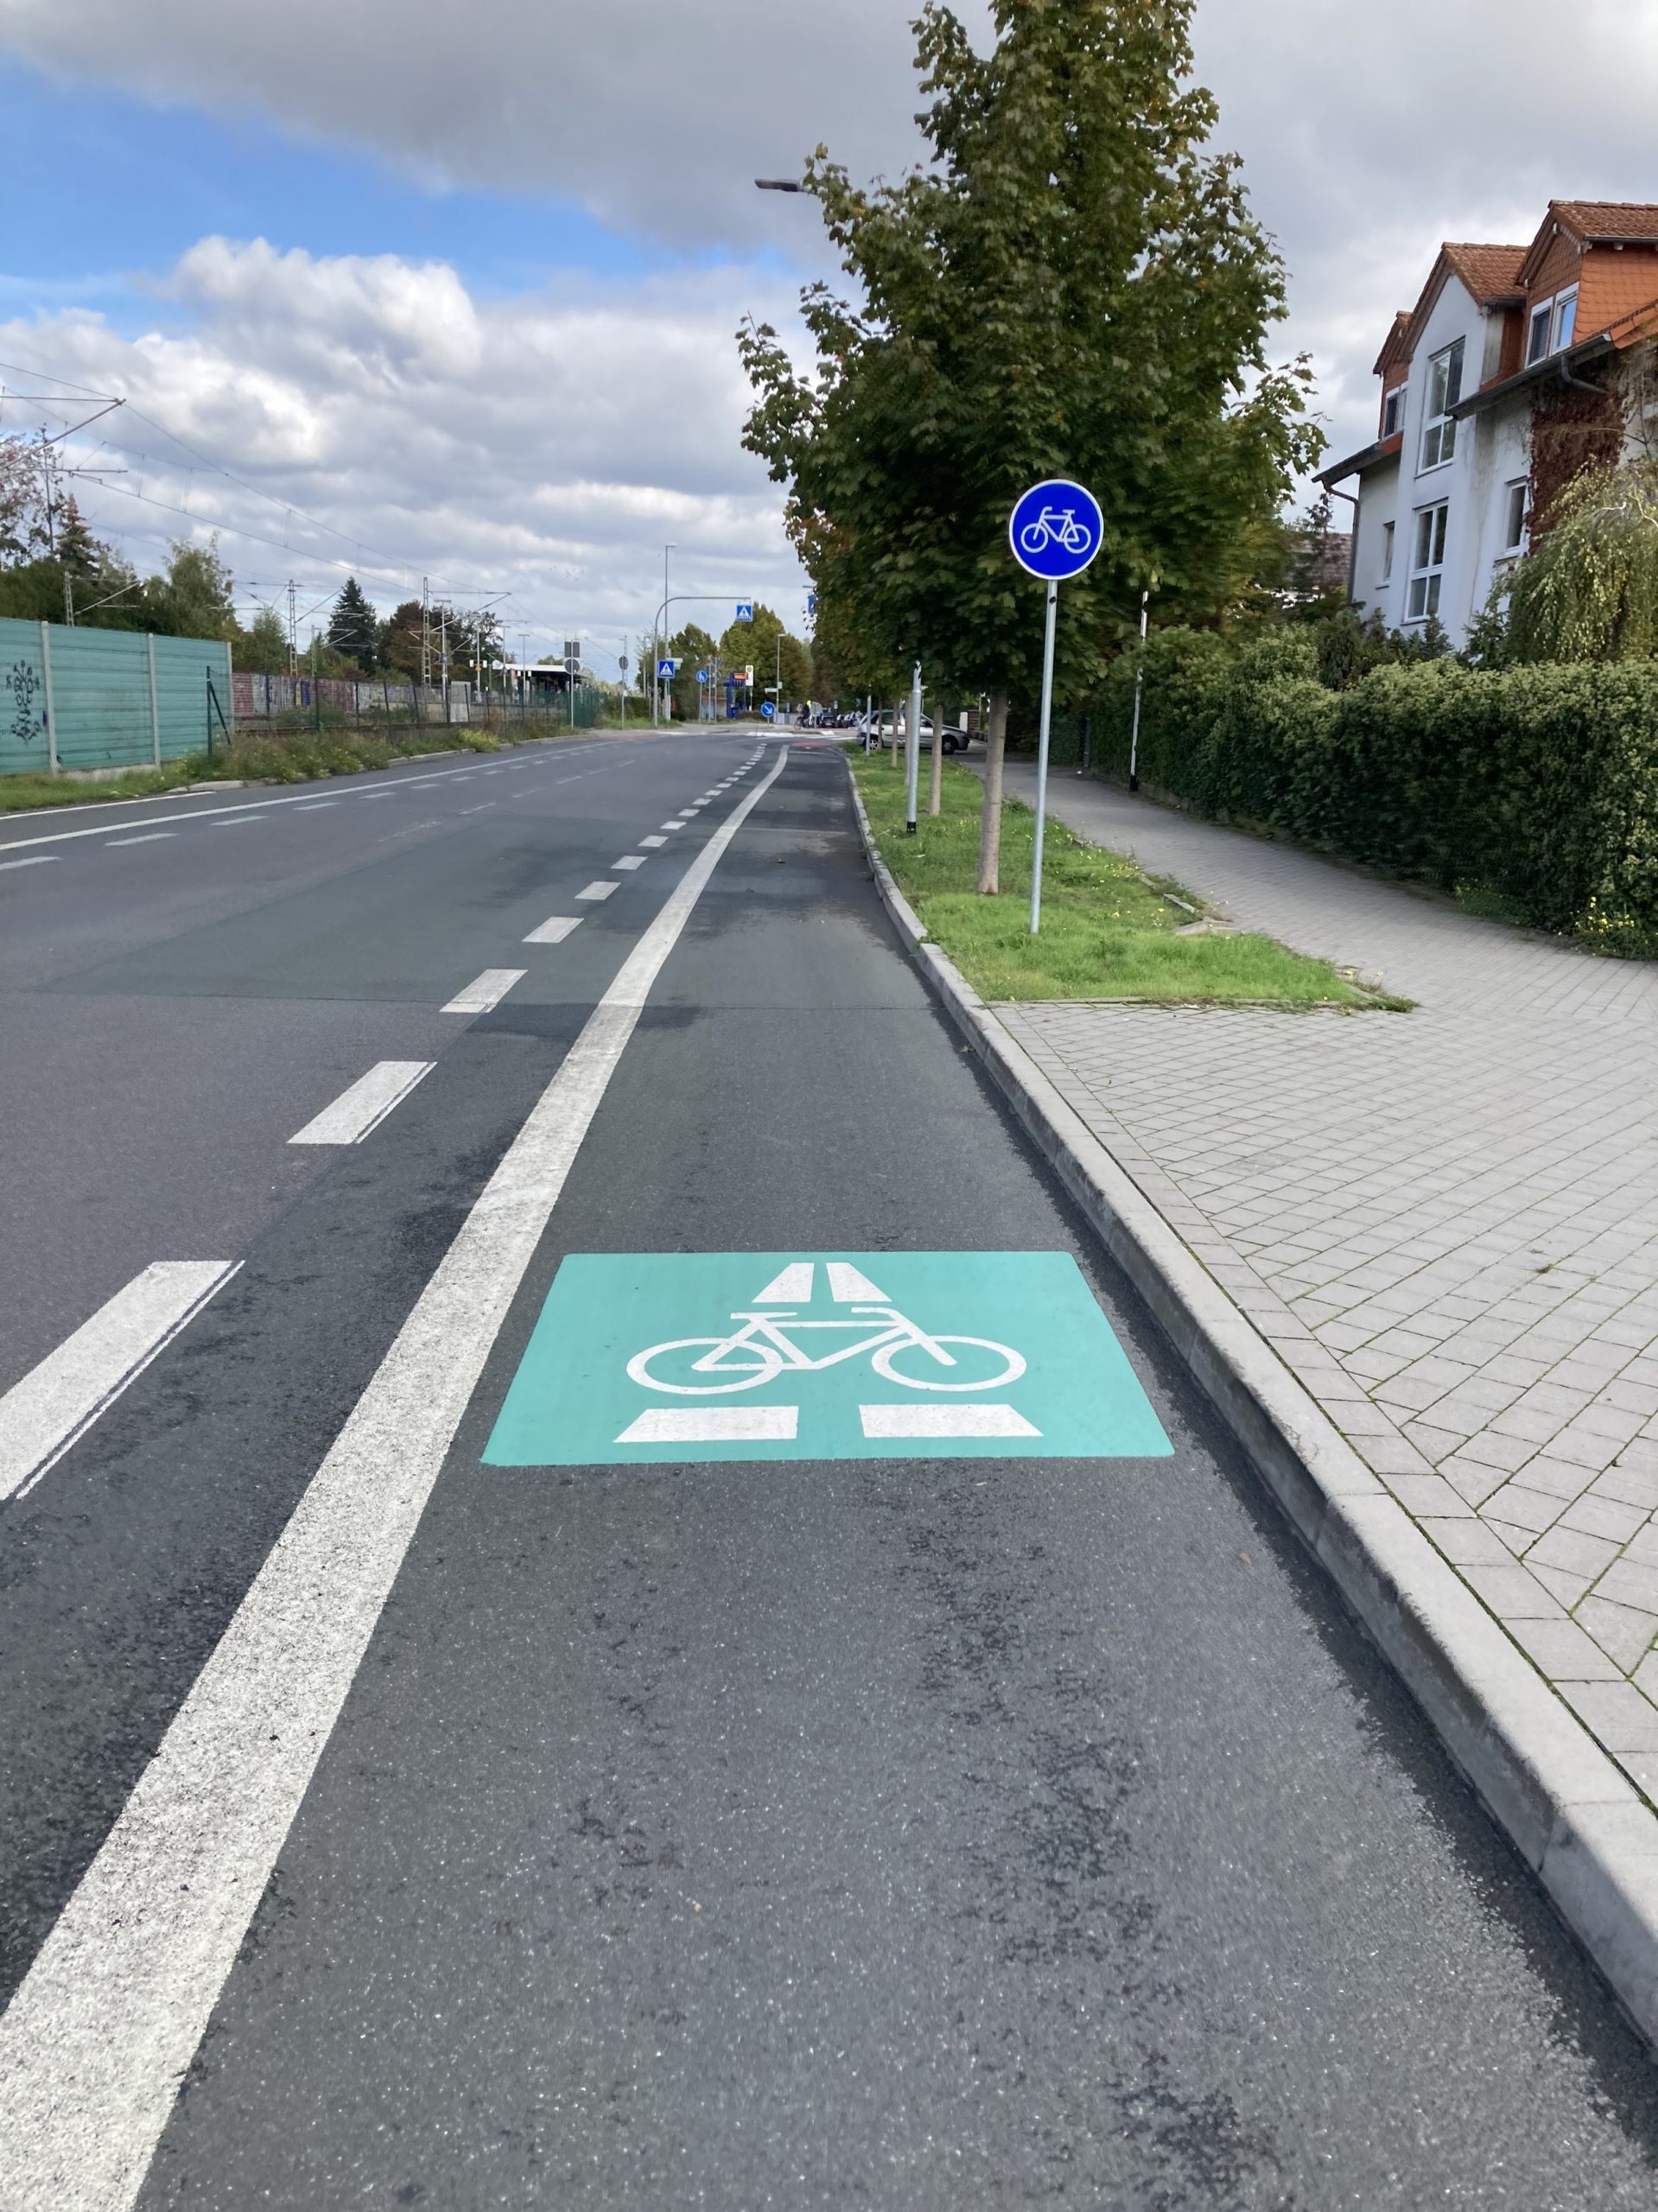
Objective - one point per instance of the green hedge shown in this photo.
(1539, 784)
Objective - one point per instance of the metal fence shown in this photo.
(81, 698)
(372, 702)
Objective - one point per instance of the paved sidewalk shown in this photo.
(1446, 1221)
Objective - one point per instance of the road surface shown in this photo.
(828, 1819)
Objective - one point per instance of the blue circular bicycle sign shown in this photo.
(1056, 529)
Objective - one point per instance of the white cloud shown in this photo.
(547, 446)
(1369, 136)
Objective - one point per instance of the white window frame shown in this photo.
(1430, 527)
(1388, 530)
(1438, 447)
(1557, 319)
(1514, 542)
(1393, 402)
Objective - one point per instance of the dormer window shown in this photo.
(1554, 324)
(1392, 412)
(1444, 391)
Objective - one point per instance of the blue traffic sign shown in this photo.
(767, 709)
(745, 610)
(1056, 529)
(667, 668)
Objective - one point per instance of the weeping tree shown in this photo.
(1588, 589)
(1073, 284)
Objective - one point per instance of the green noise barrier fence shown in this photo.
(75, 700)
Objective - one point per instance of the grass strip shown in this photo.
(1109, 932)
(279, 757)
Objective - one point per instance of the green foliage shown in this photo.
(1536, 787)
(353, 627)
(1349, 648)
(264, 649)
(193, 599)
(399, 641)
(78, 550)
(1588, 589)
(23, 536)
(1073, 284)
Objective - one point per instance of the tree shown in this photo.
(400, 637)
(79, 553)
(23, 534)
(193, 599)
(264, 648)
(353, 627)
(1073, 285)
(1588, 589)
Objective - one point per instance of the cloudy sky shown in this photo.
(421, 292)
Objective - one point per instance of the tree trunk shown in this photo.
(995, 741)
(936, 772)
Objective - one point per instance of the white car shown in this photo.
(878, 730)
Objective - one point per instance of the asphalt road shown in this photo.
(970, 1830)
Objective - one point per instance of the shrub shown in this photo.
(1537, 784)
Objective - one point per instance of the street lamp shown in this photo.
(656, 716)
(777, 184)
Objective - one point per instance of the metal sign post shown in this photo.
(913, 756)
(1055, 531)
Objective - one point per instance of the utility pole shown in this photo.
(293, 641)
(425, 642)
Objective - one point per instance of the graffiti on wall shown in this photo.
(23, 682)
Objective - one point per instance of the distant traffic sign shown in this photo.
(1056, 529)
(767, 709)
(745, 610)
(667, 668)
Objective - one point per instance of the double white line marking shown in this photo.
(99, 2036)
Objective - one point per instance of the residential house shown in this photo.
(1517, 365)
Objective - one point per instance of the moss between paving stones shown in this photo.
(1107, 930)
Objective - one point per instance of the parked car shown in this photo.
(878, 730)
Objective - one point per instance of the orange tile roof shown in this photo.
(1491, 272)
(1608, 219)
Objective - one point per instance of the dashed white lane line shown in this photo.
(483, 807)
(365, 1105)
(57, 1402)
(34, 860)
(674, 824)
(102, 2030)
(314, 806)
(242, 822)
(486, 990)
(554, 929)
(653, 842)
(629, 860)
(150, 838)
(598, 890)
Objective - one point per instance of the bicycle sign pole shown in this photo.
(1055, 531)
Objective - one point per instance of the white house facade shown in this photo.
(1518, 364)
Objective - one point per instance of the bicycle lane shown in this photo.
(958, 1820)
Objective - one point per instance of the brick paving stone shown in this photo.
(1446, 1223)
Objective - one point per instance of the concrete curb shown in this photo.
(1574, 1817)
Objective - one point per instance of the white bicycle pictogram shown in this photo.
(764, 1348)
(1059, 527)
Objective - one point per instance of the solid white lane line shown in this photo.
(555, 930)
(486, 990)
(103, 2027)
(57, 1402)
(653, 842)
(945, 1421)
(150, 838)
(218, 814)
(630, 859)
(714, 1424)
(34, 860)
(600, 890)
(365, 1105)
